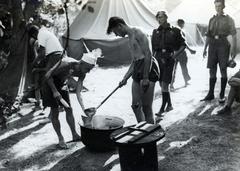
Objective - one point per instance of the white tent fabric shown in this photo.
(93, 25)
(194, 11)
(197, 13)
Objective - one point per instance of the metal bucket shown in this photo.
(96, 133)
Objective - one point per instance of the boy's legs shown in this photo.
(136, 101)
(185, 73)
(57, 127)
(71, 123)
(147, 100)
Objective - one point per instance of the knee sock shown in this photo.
(212, 82)
(169, 99)
(223, 86)
(164, 100)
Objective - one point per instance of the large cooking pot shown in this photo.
(96, 133)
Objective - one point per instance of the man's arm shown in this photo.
(233, 43)
(127, 75)
(190, 50)
(78, 92)
(180, 50)
(180, 42)
(205, 47)
(41, 55)
(234, 81)
(144, 45)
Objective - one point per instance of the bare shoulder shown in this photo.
(139, 35)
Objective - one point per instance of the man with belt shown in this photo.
(219, 47)
(182, 58)
(167, 44)
(142, 69)
(55, 91)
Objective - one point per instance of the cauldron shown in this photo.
(96, 133)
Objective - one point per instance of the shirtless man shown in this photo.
(144, 76)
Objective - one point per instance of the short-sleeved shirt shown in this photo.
(49, 41)
(221, 25)
(167, 37)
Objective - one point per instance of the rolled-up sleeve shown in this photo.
(232, 27)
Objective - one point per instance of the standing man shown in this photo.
(219, 28)
(144, 76)
(182, 58)
(50, 50)
(167, 44)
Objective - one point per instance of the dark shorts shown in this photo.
(48, 99)
(138, 70)
(218, 52)
(166, 65)
(52, 59)
(47, 95)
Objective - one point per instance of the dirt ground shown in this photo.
(196, 138)
(197, 143)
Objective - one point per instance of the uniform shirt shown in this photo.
(49, 41)
(222, 25)
(167, 37)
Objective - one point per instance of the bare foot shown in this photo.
(62, 145)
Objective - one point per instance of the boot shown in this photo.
(210, 95)
(222, 92)
(225, 110)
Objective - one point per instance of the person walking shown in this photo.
(182, 58)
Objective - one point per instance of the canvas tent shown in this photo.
(197, 14)
(90, 28)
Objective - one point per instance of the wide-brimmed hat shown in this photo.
(91, 57)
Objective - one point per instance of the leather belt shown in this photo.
(165, 51)
(217, 37)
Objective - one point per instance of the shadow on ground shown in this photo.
(86, 160)
(214, 142)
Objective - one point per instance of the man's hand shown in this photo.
(57, 95)
(90, 112)
(204, 53)
(123, 82)
(233, 54)
(145, 84)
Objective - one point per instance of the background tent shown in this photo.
(197, 14)
(91, 28)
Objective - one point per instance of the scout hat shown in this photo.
(91, 57)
